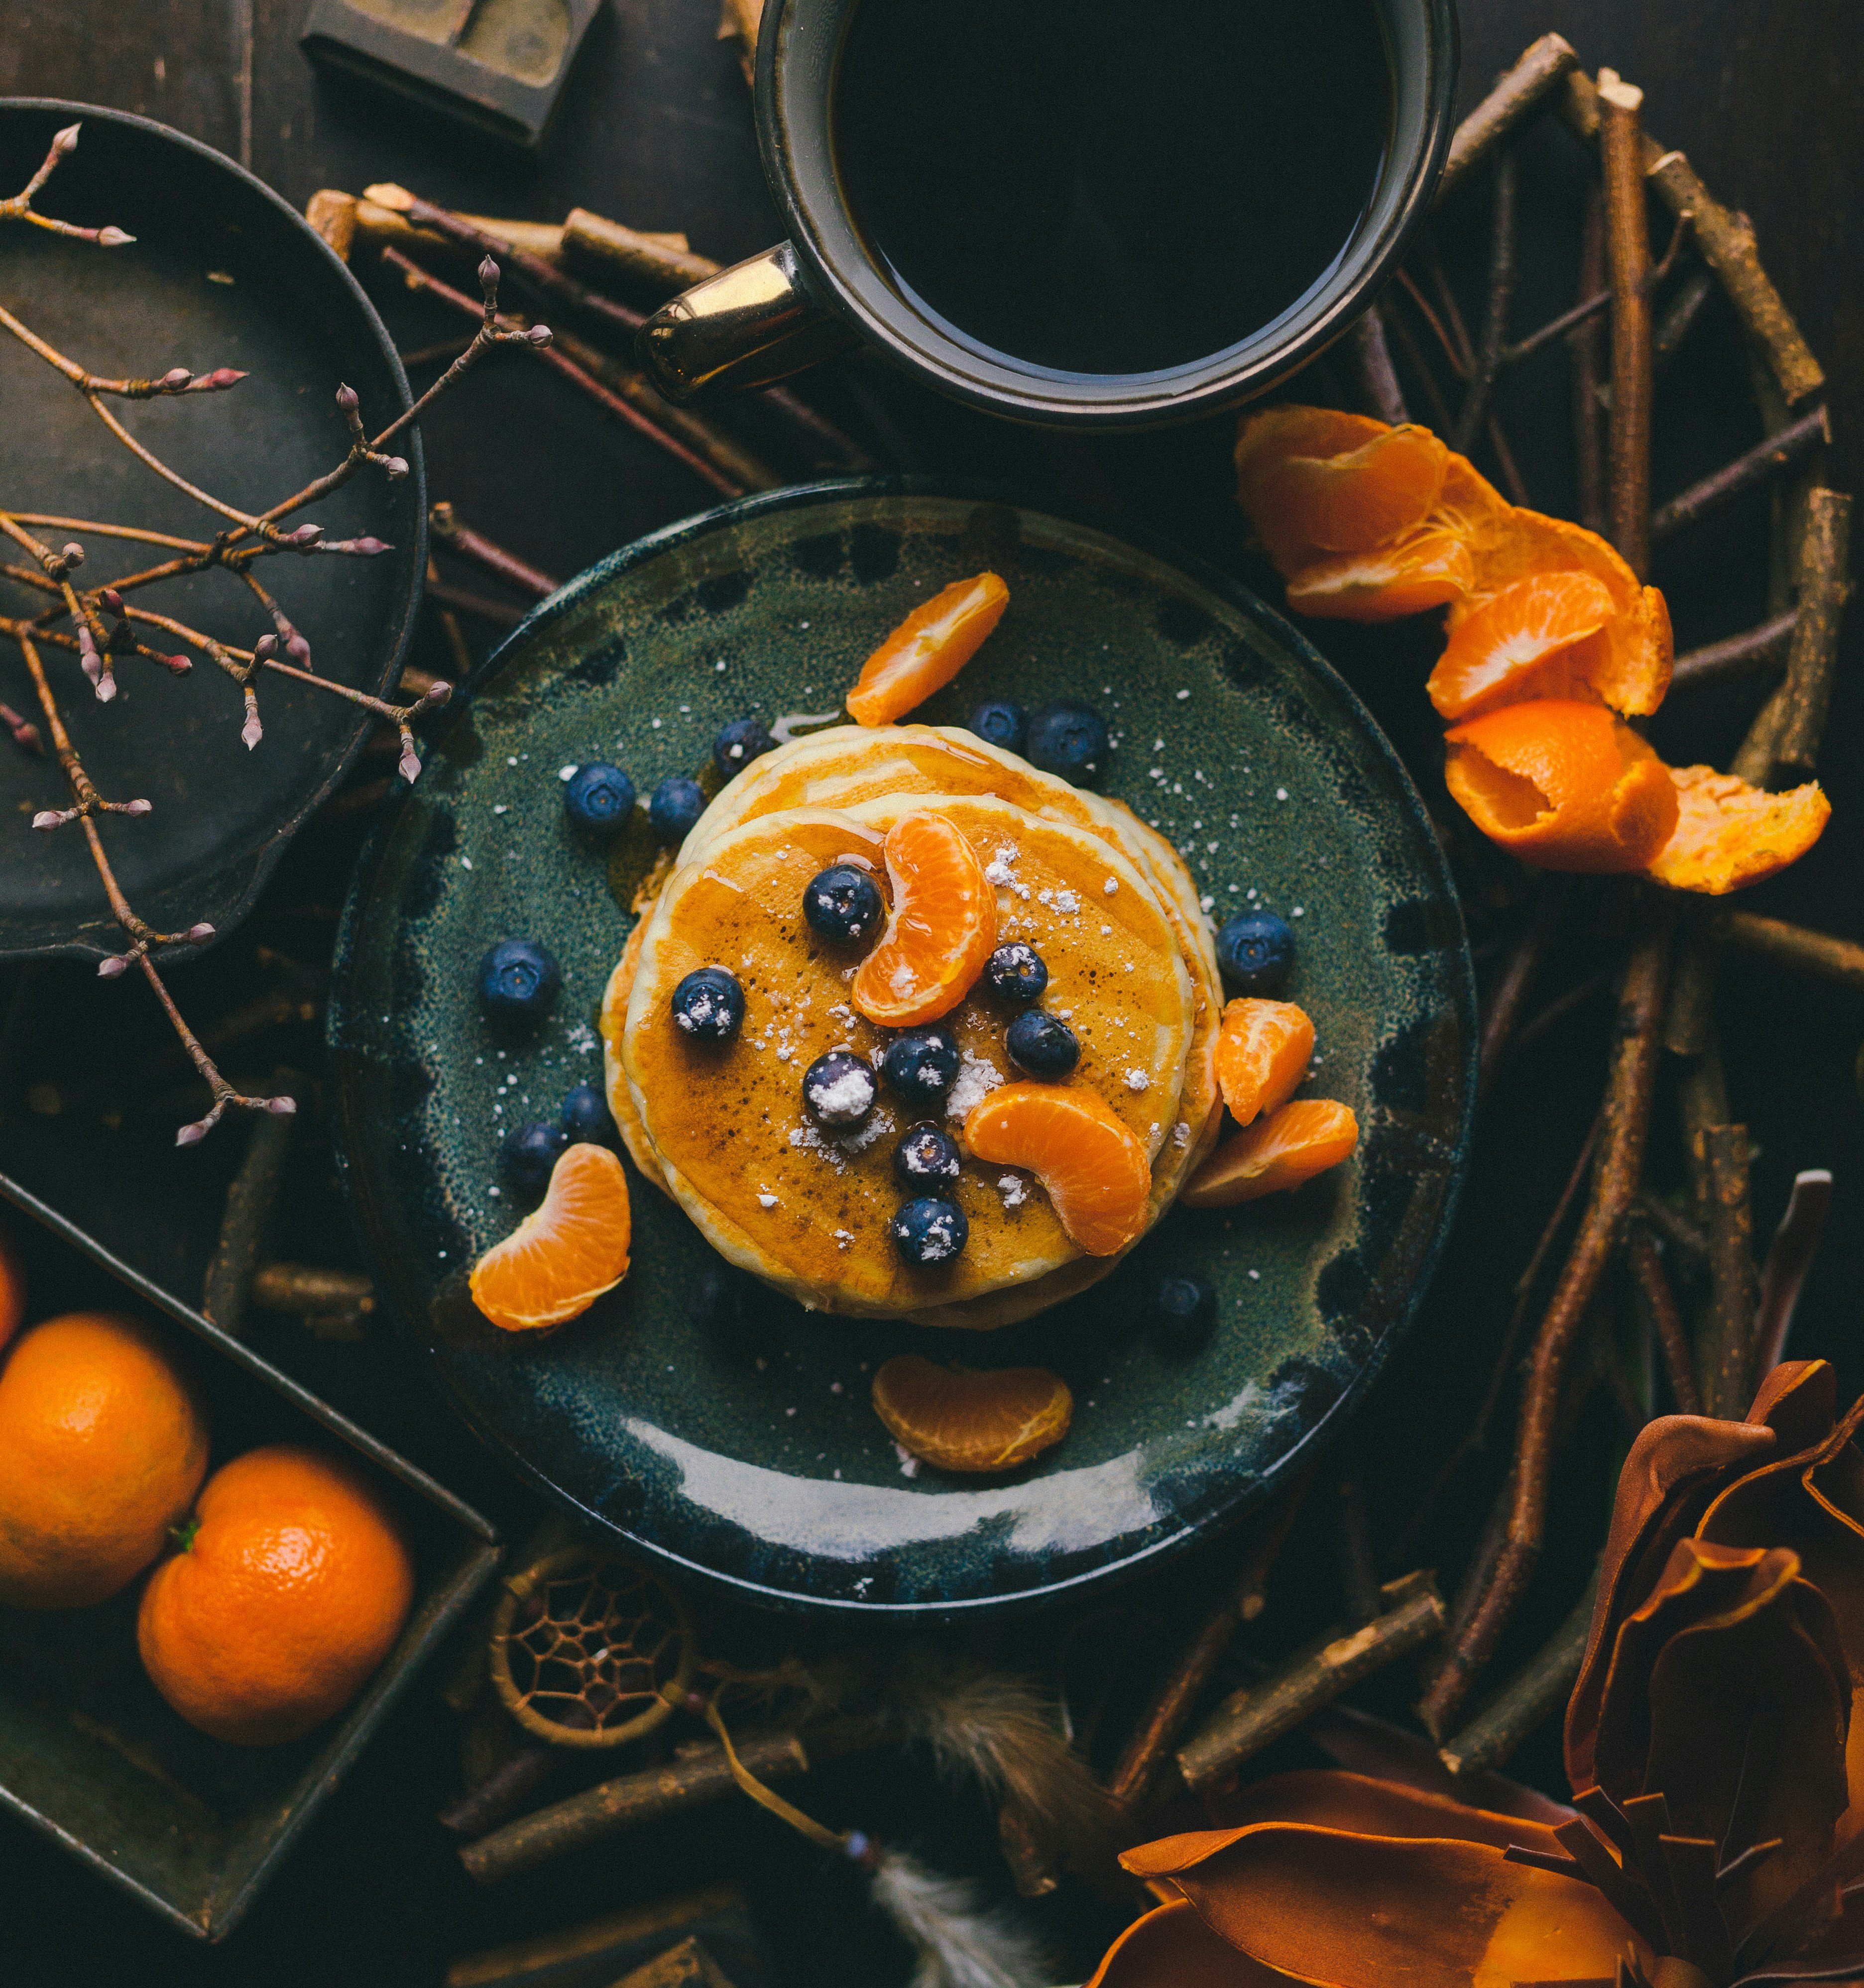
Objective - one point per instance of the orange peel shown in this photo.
(1729, 834)
(1563, 785)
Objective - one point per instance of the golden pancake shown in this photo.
(807, 1209)
(850, 763)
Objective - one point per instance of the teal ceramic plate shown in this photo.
(766, 1468)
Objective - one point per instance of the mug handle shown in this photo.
(748, 326)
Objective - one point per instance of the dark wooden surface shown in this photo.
(654, 130)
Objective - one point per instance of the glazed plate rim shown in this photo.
(1247, 1497)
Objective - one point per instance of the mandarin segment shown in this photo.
(291, 1586)
(1093, 1170)
(1262, 1051)
(1519, 644)
(1564, 785)
(1353, 501)
(927, 649)
(102, 1446)
(565, 1254)
(1424, 568)
(940, 931)
(958, 1419)
(1282, 1150)
(1729, 834)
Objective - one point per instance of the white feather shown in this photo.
(960, 1944)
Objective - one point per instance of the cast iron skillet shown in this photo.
(222, 272)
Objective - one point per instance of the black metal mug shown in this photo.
(821, 291)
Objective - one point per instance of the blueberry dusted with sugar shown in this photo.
(843, 904)
(922, 1065)
(585, 1117)
(518, 980)
(1042, 1043)
(1017, 972)
(999, 722)
(927, 1157)
(930, 1230)
(739, 743)
(1255, 950)
(840, 1089)
(1068, 738)
(527, 1153)
(708, 1005)
(1184, 1309)
(598, 799)
(676, 806)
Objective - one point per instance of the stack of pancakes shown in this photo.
(723, 1127)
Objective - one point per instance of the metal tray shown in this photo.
(89, 1753)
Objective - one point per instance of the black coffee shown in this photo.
(1110, 186)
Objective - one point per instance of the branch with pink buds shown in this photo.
(102, 624)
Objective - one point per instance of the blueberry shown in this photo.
(1067, 738)
(1184, 1309)
(926, 1156)
(1000, 722)
(1255, 950)
(1017, 972)
(518, 977)
(527, 1153)
(922, 1065)
(843, 903)
(585, 1116)
(1041, 1043)
(739, 743)
(709, 1004)
(717, 1304)
(676, 806)
(930, 1230)
(598, 799)
(840, 1088)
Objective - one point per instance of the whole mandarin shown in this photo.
(102, 1446)
(292, 1586)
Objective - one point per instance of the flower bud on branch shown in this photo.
(24, 732)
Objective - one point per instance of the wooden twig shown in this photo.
(1759, 651)
(688, 1781)
(499, 614)
(1657, 1304)
(418, 279)
(1628, 262)
(688, 1964)
(1811, 662)
(1789, 1258)
(1614, 1183)
(1582, 313)
(1475, 1437)
(1538, 1690)
(1147, 1752)
(1372, 361)
(1395, 322)
(1676, 1227)
(1817, 954)
(1726, 1351)
(1524, 961)
(1678, 314)
(1495, 317)
(1358, 1570)
(503, 1791)
(1762, 461)
(1259, 1714)
(1727, 242)
(627, 253)
(1585, 345)
(458, 536)
(1517, 95)
(249, 1204)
